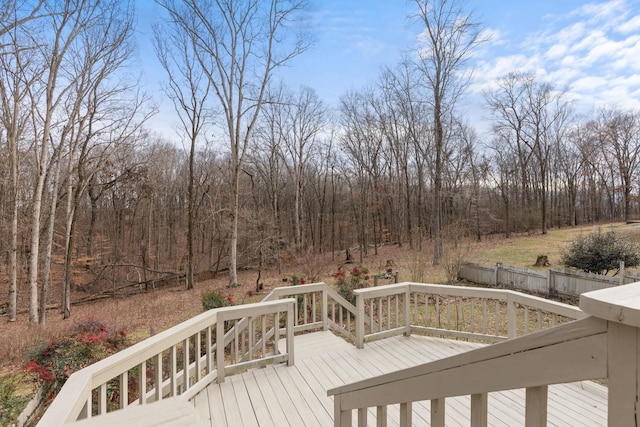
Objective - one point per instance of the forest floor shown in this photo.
(148, 313)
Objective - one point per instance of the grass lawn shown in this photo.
(522, 251)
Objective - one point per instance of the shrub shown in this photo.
(297, 280)
(11, 402)
(601, 252)
(357, 279)
(214, 299)
(92, 340)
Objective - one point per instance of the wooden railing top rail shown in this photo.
(292, 290)
(308, 288)
(69, 402)
(581, 344)
(475, 292)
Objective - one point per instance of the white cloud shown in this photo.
(594, 50)
(570, 61)
(601, 11)
(629, 26)
(586, 84)
(556, 51)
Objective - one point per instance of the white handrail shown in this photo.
(406, 294)
(74, 399)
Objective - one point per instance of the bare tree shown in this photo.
(446, 46)
(531, 117)
(239, 45)
(19, 73)
(267, 159)
(86, 44)
(508, 104)
(546, 125)
(188, 88)
(67, 20)
(363, 140)
(620, 131)
(305, 116)
(11, 17)
(406, 120)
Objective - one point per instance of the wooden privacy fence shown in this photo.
(568, 283)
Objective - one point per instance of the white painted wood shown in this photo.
(623, 374)
(620, 304)
(362, 417)
(566, 336)
(258, 402)
(406, 413)
(536, 406)
(100, 373)
(172, 412)
(201, 406)
(359, 320)
(232, 411)
(245, 406)
(102, 399)
(220, 365)
(307, 400)
(407, 312)
(325, 317)
(512, 320)
(158, 377)
(381, 416)
(272, 400)
(479, 408)
(142, 382)
(290, 341)
(313, 374)
(123, 387)
(437, 413)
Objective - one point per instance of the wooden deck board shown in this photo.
(260, 406)
(296, 396)
(230, 403)
(246, 405)
(313, 400)
(271, 400)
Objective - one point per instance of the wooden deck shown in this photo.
(279, 395)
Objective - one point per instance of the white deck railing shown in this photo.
(488, 315)
(319, 307)
(179, 361)
(604, 345)
(183, 360)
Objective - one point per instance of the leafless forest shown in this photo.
(261, 172)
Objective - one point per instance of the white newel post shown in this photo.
(620, 306)
(512, 317)
(359, 320)
(407, 312)
(325, 309)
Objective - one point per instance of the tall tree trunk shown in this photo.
(34, 254)
(437, 183)
(233, 255)
(13, 246)
(191, 215)
(46, 268)
(69, 241)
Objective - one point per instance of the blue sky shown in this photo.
(591, 47)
